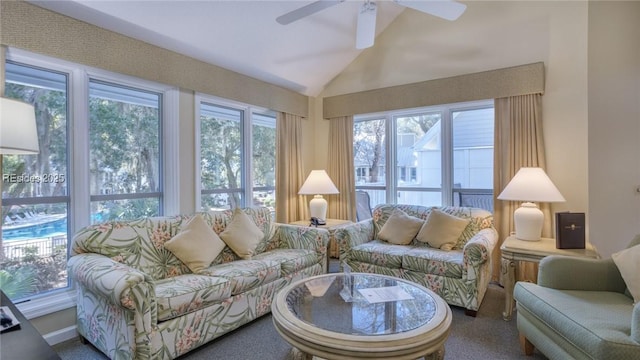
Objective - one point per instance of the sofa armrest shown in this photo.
(121, 284)
(352, 235)
(572, 273)
(302, 237)
(479, 248)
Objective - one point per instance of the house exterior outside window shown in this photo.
(439, 153)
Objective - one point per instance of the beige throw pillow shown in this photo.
(242, 235)
(400, 228)
(628, 263)
(442, 230)
(196, 245)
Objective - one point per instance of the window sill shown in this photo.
(46, 305)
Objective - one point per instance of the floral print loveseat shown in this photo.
(137, 300)
(460, 276)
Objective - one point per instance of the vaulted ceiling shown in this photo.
(242, 36)
(306, 55)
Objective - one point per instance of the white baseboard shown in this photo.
(62, 335)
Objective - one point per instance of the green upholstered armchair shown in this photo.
(580, 309)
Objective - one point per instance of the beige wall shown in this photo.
(614, 123)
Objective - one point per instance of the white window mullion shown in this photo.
(247, 165)
(447, 157)
(197, 158)
(79, 117)
(390, 161)
(170, 152)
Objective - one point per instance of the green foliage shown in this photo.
(221, 153)
(264, 156)
(33, 273)
(19, 284)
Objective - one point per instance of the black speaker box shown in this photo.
(570, 231)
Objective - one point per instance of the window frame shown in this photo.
(159, 194)
(79, 204)
(246, 129)
(391, 186)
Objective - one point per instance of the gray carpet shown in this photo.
(486, 336)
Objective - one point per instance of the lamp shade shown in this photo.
(18, 132)
(318, 182)
(531, 184)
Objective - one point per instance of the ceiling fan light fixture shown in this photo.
(366, 27)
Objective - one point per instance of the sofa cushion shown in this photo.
(291, 260)
(597, 322)
(400, 228)
(434, 261)
(380, 253)
(442, 230)
(245, 274)
(196, 245)
(628, 263)
(186, 293)
(242, 235)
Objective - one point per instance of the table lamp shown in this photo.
(530, 184)
(317, 184)
(18, 134)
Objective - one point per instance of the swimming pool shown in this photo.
(38, 227)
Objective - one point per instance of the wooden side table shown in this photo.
(332, 225)
(23, 342)
(514, 250)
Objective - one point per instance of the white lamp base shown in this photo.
(318, 207)
(528, 221)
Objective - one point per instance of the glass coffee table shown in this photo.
(358, 316)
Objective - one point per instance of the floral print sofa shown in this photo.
(460, 276)
(137, 300)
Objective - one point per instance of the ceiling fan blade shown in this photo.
(446, 9)
(306, 10)
(366, 28)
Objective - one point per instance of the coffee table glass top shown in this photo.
(402, 306)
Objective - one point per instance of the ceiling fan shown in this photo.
(366, 25)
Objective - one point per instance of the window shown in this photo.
(101, 158)
(124, 152)
(370, 152)
(237, 147)
(441, 154)
(35, 189)
(264, 160)
(221, 155)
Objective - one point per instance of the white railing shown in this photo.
(17, 249)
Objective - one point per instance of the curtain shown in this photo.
(518, 143)
(289, 177)
(341, 170)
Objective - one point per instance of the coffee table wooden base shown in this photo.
(296, 354)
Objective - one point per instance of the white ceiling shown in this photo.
(242, 36)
